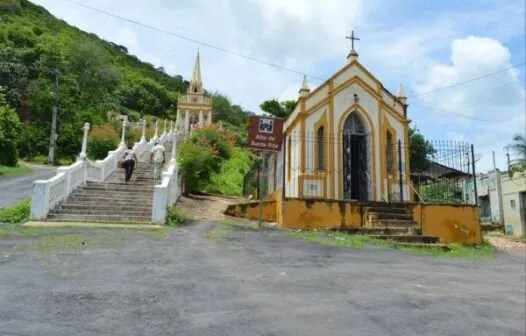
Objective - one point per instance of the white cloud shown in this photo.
(498, 98)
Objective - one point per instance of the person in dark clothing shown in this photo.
(130, 159)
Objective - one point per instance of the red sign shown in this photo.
(265, 133)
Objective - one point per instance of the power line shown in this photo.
(468, 80)
(194, 40)
(279, 66)
(259, 60)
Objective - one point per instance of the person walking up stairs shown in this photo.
(157, 159)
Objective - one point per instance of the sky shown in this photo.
(425, 45)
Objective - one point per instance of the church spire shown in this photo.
(400, 94)
(304, 89)
(196, 84)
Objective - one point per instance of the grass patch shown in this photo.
(482, 251)
(176, 217)
(157, 233)
(333, 238)
(17, 213)
(68, 241)
(229, 180)
(236, 222)
(216, 232)
(17, 170)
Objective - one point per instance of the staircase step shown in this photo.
(112, 200)
(402, 223)
(118, 208)
(100, 218)
(393, 216)
(102, 212)
(123, 190)
(408, 238)
(386, 209)
(381, 231)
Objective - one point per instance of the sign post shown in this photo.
(265, 134)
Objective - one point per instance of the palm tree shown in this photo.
(519, 147)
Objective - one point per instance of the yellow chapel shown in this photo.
(345, 140)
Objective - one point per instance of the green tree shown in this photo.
(519, 148)
(421, 150)
(9, 133)
(278, 109)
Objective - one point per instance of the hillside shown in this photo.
(95, 77)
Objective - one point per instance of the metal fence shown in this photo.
(348, 167)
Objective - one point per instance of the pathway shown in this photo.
(14, 188)
(239, 281)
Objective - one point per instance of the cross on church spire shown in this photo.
(352, 38)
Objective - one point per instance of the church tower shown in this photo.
(194, 110)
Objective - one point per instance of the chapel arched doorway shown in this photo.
(355, 158)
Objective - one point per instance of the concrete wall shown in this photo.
(451, 223)
(250, 210)
(317, 214)
(513, 199)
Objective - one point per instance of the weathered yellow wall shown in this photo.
(313, 214)
(251, 210)
(451, 223)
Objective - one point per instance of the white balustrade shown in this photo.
(169, 191)
(49, 193)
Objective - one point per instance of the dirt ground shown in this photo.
(507, 245)
(206, 207)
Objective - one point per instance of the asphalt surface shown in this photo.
(14, 188)
(244, 282)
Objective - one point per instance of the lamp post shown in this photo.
(143, 137)
(123, 138)
(83, 154)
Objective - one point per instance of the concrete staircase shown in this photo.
(391, 221)
(113, 200)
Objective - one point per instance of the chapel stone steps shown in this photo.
(419, 239)
(391, 221)
(399, 231)
(113, 200)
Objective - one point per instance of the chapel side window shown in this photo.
(389, 152)
(321, 148)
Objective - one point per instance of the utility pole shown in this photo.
(507, 148)
(53, 137)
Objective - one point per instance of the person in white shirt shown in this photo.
(157, 158)
(130, 160)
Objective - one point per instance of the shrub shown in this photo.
(229, 180)
(17, 213)
(201, 156)
(134, 116)
(176, 217)
(9, 134)
(101, 140)
(133, 134)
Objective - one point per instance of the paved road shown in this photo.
(249, 283)
(13, 188)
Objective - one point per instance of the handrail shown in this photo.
(48, 193)
(169, 190)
